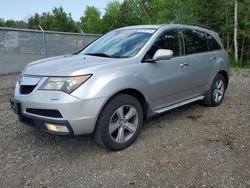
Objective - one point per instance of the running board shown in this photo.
(179, 104)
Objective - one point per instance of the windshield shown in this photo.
(119, 43)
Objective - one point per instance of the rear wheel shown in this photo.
(216, 93)
(119, 122)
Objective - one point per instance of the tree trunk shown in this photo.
(242, 50)
(236, 29)
(228, 37)
(176, 10)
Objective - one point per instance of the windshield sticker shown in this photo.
(146, 31)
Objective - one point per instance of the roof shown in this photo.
(143, 26)
(172, 24)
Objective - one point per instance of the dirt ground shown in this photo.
(192, 146)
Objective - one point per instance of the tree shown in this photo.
(91, 20)
(58, 20)
(243, 32)
(61, 21)
(110, 19)
(34, 21)
(236, 29)
(46, 20)
(230, 18)
(131, 13)
(2, 22)
(13, 23)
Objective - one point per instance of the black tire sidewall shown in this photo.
(106, 114)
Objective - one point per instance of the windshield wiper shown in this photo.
(99, 54)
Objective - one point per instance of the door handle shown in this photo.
(184, 65)
(212, 58)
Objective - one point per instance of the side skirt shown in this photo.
(176, 105)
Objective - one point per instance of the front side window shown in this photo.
(119, 43)
(169, 40)
(212, 43)
(196, 41)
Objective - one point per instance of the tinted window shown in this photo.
(195, 41)
(212, 43)
(170, 40)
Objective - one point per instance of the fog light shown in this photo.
(56, 128)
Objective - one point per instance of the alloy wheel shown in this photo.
(123, 123)
(218, 91)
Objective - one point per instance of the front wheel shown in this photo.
(216, 92)
(119, 122)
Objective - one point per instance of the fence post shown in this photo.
(44, 41)
(84, 40)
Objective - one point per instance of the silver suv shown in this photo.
(112, 86)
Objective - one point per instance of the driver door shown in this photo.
(169, 80)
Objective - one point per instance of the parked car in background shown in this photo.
(112, 86)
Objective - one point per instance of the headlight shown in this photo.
(65, 84)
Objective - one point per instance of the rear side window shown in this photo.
(212, 43)
(196, 41)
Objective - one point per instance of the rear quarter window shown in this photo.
(196, 41)
(212, 43)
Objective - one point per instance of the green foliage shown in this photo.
(34, 21)
(218, 14)
(91, 20)
(111, 18)
(12, 23)
(238, 64)
(2, 23)
(58, 20)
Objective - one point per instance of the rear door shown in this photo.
(169, 79)
(200, 59)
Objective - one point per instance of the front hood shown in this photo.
(69, 65)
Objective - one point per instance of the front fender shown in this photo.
(107, 84)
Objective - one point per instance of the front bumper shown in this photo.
(41, 124)
(77, 116)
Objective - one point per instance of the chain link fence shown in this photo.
(21, 46)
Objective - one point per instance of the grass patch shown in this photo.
(238, 64)
(239, 72)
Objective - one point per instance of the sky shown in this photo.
(22, 9)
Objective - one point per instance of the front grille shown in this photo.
(43, 112)
(26, 89)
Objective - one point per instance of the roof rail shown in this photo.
(193, 24)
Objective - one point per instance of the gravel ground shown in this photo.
(193, 146)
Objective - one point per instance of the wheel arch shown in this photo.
(225, 75)
(132, 92)
(139, 96)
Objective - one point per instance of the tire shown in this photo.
(119, 122)
(216, 92)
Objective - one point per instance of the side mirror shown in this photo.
(163, 54)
